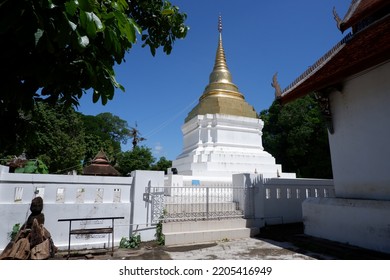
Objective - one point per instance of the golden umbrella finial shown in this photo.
(220, 24)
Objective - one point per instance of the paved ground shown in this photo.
(273, 243)
(242, 249)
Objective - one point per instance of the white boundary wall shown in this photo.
(73, 196)
(359, 222)
(272, 201)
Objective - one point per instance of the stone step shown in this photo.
(198, 237)
(186, 226)
(192, 232)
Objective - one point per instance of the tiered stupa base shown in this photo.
(218, 145)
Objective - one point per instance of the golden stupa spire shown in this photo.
(221, 95)
(220, 59)
(220, 80)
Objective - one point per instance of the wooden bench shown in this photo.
(85, 231)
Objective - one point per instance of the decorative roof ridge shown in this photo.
(318, 64)
(358, 12)
(352, 8)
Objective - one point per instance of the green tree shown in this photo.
(94, 144)
(59, 50)
(104, 131)
(56, 49)
(296, 135)
(56, 136)
(139, 158)
(162, 164)
(33, 166)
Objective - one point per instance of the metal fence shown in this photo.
(195, 203)
(270, 200)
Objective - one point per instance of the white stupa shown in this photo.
(222, 134)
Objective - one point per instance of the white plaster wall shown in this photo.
(360, 146)
(48, 185)
(283, 198)
(275, 200)
(132, 204)
(141, 219)
(363, 223)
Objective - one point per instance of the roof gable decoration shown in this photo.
(367, 45)
(310, 71)
(359, 10)
(371, 23)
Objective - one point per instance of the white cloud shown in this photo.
(158, 149)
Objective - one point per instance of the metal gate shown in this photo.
(195, 203)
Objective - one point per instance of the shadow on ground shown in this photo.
(316, 247)
(290, 238)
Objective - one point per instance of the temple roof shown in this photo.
(360, 9)
(221, 95)
(100, 166)
(366, 47)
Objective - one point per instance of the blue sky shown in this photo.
(259, 37)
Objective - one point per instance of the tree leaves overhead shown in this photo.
(58, 50)
(160, 21)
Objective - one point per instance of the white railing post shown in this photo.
(207, 202)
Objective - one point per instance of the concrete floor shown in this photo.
(274, 243)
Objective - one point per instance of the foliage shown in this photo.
(59, 50)
(160, 21)
(107, 126)
(139, 158)
(159, 234)
(14, 130)
(296, 135)
(14, 232)
(130, 243)
(67, 47)
(93, 144)
(162, 164)
(104, 131)
(160, 237)
(33, 166)
(56, 137)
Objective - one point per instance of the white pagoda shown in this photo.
(222, 134)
